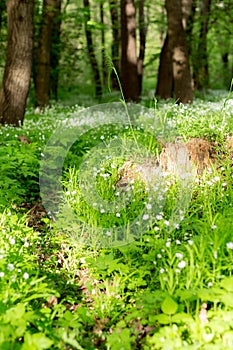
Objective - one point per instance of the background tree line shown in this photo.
(57, 46)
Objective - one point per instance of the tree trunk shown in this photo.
(142, 35)
(201, 69)
(180, 58)
(43, 69)
(115, 40)
(164, 89)
(188, 16)
(55, 51)
(16, 78)
(104, 72)
(226, 70)
(2, 10)
(129, 74)
(91, 52)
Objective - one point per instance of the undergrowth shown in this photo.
(169, 287)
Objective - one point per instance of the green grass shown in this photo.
(131, 271)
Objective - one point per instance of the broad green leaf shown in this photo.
(227, 283)
(169, 306)
(162, 319)
(37, 341)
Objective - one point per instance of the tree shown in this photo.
(55, 50)
(175, 51)
(142, 38)
(115, 47)
(43, 64)
(103, 50)
(200, 64)
(91, 51)
(129, 70)
(164, 88)
(17, 72)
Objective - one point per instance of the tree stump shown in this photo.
(180, 159)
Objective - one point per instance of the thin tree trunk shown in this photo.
(129, 73)
(201, 68)
(43, 69)
(142, 35)
(226, 70)
(104, 72)
(188, 16)
(2, 10)
(164, 88)
(16, 78)
(180, 58)
(91, 52)
(55, 51)
(115, 40)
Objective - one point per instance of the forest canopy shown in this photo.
(67, 48)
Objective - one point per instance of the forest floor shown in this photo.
(116, 227)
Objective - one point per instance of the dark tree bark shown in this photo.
(201, 68)
(188, 15)
(104, 72)
(164, 89)
(114, 5)
(142, 35)
(91, 52)
(2, 11)
(180, 58)
(226, 70)
(43, 68)
(16, 78)
(55, 51)
(129, 73)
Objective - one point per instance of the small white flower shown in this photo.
(178, 241)
(2, 274)
(159, 217)
(216, 178)
(215, 254)
(67, 193)
(179, 255)
(26, 244)
(12, 240)
(25, 275)
(10, 267)
(148, 206)
(168, 244)
(156, 228)
(102, 137)
(118, 215)
(230, 245)
(166, 222)
(102, 211)
(181, 264)
(190, 242)
(162, 270)
(213, 227)
(210, 284)
(108, 233)
(145, 217)
(159, 256)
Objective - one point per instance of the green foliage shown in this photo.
(60, 293)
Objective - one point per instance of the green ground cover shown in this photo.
(171, 287)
